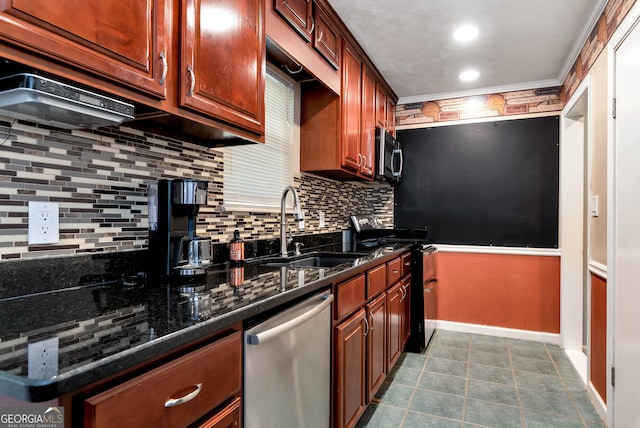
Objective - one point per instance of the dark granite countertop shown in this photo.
(113, 318)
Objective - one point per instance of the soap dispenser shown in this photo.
(236, 247)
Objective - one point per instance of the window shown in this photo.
(255, 175)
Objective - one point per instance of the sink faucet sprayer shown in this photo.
(298, 215)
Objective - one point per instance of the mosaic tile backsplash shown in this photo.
(99, 177)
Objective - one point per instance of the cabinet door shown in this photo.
(298, 13)
(394, 323)
(350, 370)
(326, 38)
(376, 345)
(391, 117)
(125, 42)
(223, 61)
(381, 107)
(406, 312)
(229, 417)
(350, 101)
(368, 132)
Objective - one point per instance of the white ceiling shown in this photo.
(522, 44)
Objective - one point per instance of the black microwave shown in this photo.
(389, 155)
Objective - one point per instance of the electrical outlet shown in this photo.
(321, 215)
(43, 222)
(42, 358)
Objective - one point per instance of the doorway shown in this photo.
(574, 295)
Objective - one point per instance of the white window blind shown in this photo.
(255, 175)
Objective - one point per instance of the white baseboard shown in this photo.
(511, 333)
(600, 406)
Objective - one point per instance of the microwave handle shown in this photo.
(399, 172)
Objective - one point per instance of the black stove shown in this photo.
(368, 234)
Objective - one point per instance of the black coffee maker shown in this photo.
(174, 248)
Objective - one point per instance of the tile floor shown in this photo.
(470, 380)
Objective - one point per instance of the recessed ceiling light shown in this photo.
(469, 75)
(466, 33)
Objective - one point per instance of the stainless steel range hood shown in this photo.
(42, 100)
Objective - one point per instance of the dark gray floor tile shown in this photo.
(497, 345)
(454, 342)
(491, 374)
(448, 367)
(490, 359)
(395, 395)
(443, 383)
(450, 353)
(403, 376)
(438, 404)
(595, 424)
(567, 370)
(539, 382)
(585, 407)
(412, 361)
(421, 420)
(381, 416)
(574, 385)
(492, 415)
(544, 420)
(548, 402)
(495, 349)
(534, 366)
(530, 352)
(494, 392)
(525, 343)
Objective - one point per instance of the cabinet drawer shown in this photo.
(350, 296)
(214, 371)
(394, 271)
(405, 259)
(376, 280)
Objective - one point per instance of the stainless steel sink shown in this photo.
(314, 260)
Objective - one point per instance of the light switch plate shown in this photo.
(43, 223)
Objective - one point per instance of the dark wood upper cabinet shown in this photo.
(223, 60)
(368, 131)
(298, 13)
(326, 38)
(381, 106)
(350, 99)
(127, 42)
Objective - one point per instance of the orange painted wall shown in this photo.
(598, 366)
(512, 291)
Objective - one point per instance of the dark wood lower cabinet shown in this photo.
(395, 312)
(376, 345)
(229, 417)
(350, 369)
(370, 331)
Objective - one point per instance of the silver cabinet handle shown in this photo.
(193, 80)
(163, 78)
(190, 396)
(313, 25)
(366, 326)
(371, 323)
(359, 159)
(404, 294)
(265, 336)
(364, 160)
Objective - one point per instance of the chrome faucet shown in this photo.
(298, 215)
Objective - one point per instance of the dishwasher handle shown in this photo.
(265, 336)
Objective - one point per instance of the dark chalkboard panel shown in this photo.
(491, 183)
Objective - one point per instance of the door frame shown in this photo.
(574, 266)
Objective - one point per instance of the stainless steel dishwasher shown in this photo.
(287, 367)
